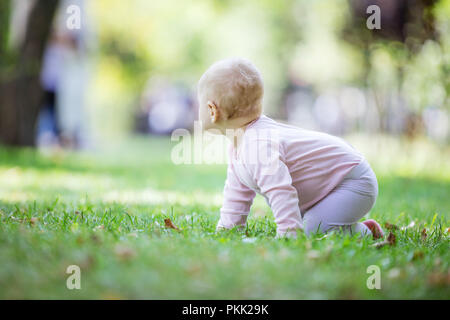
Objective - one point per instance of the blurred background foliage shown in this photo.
(323, 68)
(324, 44)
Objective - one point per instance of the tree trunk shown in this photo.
(21, 92)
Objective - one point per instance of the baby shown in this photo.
(312, 181)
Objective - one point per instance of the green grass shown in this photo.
(104, 211)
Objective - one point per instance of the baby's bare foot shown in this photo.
(375, 228)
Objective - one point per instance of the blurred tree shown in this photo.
(20, 90)
(408, 27)
(4, 28)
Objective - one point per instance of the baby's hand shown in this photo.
(229, 221)
(222, 228)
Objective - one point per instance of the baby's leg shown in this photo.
(345, 205)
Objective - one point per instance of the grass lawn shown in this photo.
(104, 211)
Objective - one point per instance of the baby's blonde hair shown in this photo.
(234, 85)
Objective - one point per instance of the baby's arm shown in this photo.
(275, 182)
(237, 201)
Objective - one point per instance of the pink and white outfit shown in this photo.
(311, 180)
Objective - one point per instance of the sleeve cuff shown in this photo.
(228, 221)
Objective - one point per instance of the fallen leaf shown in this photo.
(439, 279)
(390, 226)
(391, 240)
(424, 234)
(169, 224)
(33, 221)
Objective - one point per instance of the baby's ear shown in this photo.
(213, 111)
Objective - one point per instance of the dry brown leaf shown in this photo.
(424, 234)
(391, 240)
(390, 226)
(440, 279)
(169, 224)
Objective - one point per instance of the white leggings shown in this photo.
(345, 205)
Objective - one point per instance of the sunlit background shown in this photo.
(132, 67)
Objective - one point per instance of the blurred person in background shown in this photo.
(70, 101)
(62, 119)
(165, 106)
(48, 127)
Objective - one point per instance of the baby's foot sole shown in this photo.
(375, 228)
